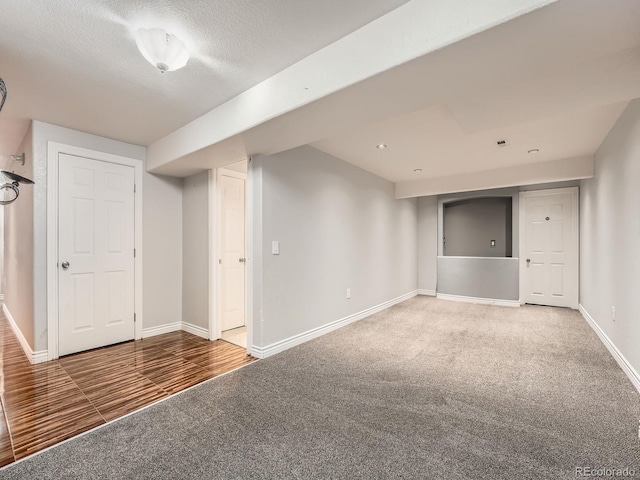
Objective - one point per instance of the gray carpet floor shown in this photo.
(426, 389)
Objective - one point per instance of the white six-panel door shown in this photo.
(95, 254)
(550, 247)
(232, 226)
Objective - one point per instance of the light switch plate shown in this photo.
(275, 247)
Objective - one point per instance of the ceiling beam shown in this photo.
(534, 173)
(411, 31)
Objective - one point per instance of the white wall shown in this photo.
(18, 240)
(339, 227)
(162, 250)
(427, 244)
(610, 236)
(195, 251)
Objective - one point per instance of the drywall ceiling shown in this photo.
(431, 140)
(438, 82)
(268, 115)
(74, 63)
(556, 79)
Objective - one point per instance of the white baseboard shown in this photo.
(429, 293)
(33, 357)
(615, 353)
(264, 352)
(153, 331)
(195, 330)
(480, 301)
(42, 355)
(174, 327)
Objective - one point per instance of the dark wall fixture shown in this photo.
(3, 93)
(9, 191)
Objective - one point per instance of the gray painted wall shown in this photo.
(470, 226)
(195, 252)
(428, 243)
(162, 250)
(18, 240)
(339, 227)
(610, 236)
(492, 278)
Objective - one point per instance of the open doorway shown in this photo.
(231, 253)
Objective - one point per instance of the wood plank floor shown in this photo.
(44, 404)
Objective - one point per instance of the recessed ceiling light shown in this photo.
(381, 146)
(417, 170)
(533, 150)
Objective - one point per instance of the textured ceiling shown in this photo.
(74, 62)
(555, 79)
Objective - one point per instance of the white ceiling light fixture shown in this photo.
(381, 146)
(161, 49)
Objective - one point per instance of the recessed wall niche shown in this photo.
(478, 227)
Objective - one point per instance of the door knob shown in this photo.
(242, 260)
(528, 260)
(65, 265)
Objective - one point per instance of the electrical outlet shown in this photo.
(613, 313)
(348, 293)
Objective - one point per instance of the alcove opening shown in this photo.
(478, 227)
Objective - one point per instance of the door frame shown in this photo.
(54, 149)
(215, 272)
(575, 236)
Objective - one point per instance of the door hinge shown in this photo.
(134, 318)
(134, 188)
(134, 253)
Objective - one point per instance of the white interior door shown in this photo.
(95, 254)
(232, 245)
(551, 247)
